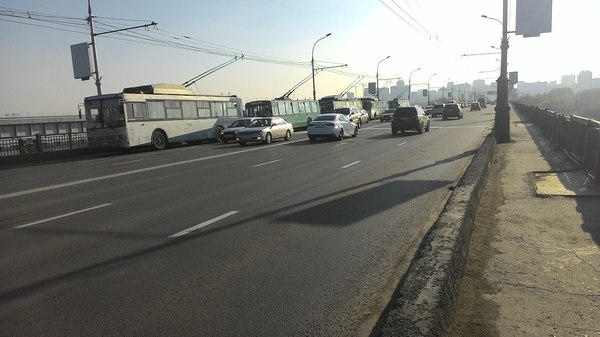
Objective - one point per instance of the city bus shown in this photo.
(297, 112)
(330, 103)
(374, 107)
(155, 115)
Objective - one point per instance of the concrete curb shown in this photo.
(424, 302)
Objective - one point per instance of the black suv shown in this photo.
(410, 118)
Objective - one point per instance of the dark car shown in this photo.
(228, 134)
(386, 116)
(452, 110)
(437, 109)
(410, 118)
(475, 106)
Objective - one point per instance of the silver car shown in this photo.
(331, 125)
(265, 129)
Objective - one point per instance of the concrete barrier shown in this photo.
(424, 302)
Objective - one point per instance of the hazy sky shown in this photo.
(37, 77)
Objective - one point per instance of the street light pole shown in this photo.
(428, 94)
(377, 75)
(409, 88)
(502, 118)
(312, 64)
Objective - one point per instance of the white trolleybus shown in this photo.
(156, 115)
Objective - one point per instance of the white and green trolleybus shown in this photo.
(298, 112)
(156, 115)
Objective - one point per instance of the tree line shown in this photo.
(585, 103)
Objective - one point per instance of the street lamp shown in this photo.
(312, 63)
(428, 93)
(502, 118)
(409, 88)
(377, 75)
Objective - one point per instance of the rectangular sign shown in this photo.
(81, 61)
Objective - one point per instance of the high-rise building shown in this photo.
(584, 80)
(567, 81)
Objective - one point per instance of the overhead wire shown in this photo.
(155, 37)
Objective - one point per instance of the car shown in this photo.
(331, 125)
(228, 134)
(475, 106)
(428, 109)
(452, 110)
(265, 129)
(364, 116)
(437, 109)
(352, 113)
(410, 118)
(386, 116)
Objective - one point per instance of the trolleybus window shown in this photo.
(203, 110)
(136, 111)
(189, 109)
(173, 109)
(156, 109)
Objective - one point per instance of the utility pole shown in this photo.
(502, 120)
(95, 55)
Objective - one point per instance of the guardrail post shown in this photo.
(70, 141)
(38, 142)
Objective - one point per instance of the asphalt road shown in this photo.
(294, 238)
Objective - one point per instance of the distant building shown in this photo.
(568, 81)
(584, 80)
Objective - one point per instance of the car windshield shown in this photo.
(345, 111)
(438, 106)
(389, 111)
(240, 123)
(325, 118)
(260, 123)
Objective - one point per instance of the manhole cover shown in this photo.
(571, 183)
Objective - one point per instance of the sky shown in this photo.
(276, 38)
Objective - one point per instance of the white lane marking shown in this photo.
(356, 162)
(60, 216)
(267, 163)
(401, 144)
(127, 162)
(341, 144)
(152, 168)
(204, 224)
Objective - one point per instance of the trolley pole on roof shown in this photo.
(95, 55)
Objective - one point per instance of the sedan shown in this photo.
(228, 134)
(264, 130)
(331, 125)
(387, 115)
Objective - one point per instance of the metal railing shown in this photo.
(578, 136)
(42, 143)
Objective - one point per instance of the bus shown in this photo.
(297, 112)
(330, 103)
(374, 107)
(155, 115)
(398, 103)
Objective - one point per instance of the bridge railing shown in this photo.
(578, 136)
(42, 143)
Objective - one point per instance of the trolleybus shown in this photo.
(297, 112)
(156, 115)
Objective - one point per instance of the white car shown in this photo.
(265, 129)
(331, 125)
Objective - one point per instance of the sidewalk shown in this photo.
(533, 267)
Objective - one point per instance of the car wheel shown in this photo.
(428, 127)
(394, 132)
(268, 138)
(159, 140)
(420, 129)
(355, 131)
(341, 135)
(359, 122)
(288, 135)
(218, 135)
(312, 138)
